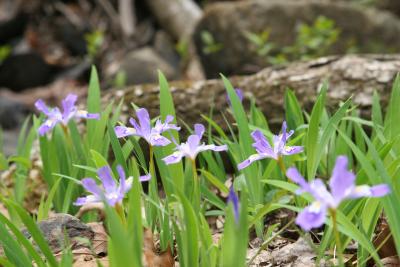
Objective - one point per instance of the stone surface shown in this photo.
(18, 72)
(164, 45)
(140, 66)
(371, 30)
(55, 227)
(296, 254)
(352, 75)
(389, 5)
(12, 113)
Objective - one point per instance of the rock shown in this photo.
(12, 113)
(296, 254)
(389, 5)
(55, 227)
(350, 75)
(13, 28)
(164, 45)
(262, 259)
(140, 66)
(227, 22)
(177, 17)
(71, 37)
(18, 72)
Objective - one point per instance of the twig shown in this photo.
(127, 17)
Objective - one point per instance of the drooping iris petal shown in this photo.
(158, 140)
(145, 178)
(250, 160)
(47, 126)
(122, 131)
(312, 216)
(380, 190)
(291, 150)
(80, 201)
(173, 158)
(369, 191)
(83, 114)
(341, 180)
(213, 148)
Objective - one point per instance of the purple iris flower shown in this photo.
(342, 186)
(264, 149)
(239, 93)
(233, 198)
(110, 191)
(54, 115)
(192, 147)
(152, 135)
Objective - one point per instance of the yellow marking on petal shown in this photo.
(362, 189)
(131, 130)
(81, 112)
(315, 207)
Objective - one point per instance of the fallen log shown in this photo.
(350, 75)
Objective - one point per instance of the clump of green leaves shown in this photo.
(311, 41)
(69, 155)
(315, 40)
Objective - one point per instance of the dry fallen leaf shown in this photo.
(393, 261)
(384, 241)
(99, 242)
(150, 257)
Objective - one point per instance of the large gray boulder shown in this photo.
(141, 65)
(370, 29)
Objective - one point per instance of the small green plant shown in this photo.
(210, 45)
(120, 79)
(182, 47)
(5, 51)
(261, 41)
(311, 41)
(94, 41)
(314, 40)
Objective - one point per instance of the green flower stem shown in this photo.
(121, 213)
(196, 187)
(337, 237)
(281, 165)
(67, 134)
(153, 190)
